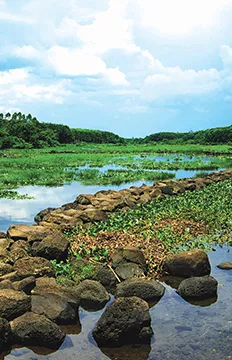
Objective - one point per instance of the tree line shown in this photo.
(22, 131)
(25, 131)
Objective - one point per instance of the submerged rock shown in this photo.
(225, 266)
(38, 330)
(203, 287)
(125, 321)
(187, 264)
(145, 289)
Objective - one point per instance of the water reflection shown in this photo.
(181, 331)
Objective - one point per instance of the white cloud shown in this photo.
(180, 16)
(26, 52)
(13, 76)
(226, 55)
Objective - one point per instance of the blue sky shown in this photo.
(133, 67)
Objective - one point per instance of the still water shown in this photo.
(23, 211)
(181, 330)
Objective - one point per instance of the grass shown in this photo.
(58, 166)
(198, 219)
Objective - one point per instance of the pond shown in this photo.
(181, 330)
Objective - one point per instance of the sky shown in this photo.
(133, 67)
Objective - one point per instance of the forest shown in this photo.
(20, 131)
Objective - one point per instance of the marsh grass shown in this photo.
(58, 166)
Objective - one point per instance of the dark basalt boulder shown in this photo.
(105, 276)
(56, 307)
(38, 330)
(203, 287)
(5, 333)
(13, 303)
(92, 294)
(34, 266)
(187, 264)
(144, 289)
(128, 271)
(52, 247)
(130, 254)
(125, 321)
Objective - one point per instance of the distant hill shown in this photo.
(25, 131)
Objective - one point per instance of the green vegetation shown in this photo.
(20, 131)
(207, 212)
(62, 165)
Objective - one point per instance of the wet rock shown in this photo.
(225, 266)
(5, 268)
(130, 254)
(56, 307)
(13, 303)
(34, 266)
(5, 333)
(25, 285)
(145, 289)
(52, 247)
(38, 330)
(203, 287)
(125, 321)
(129, 270)
(186, 264)
(92, 294)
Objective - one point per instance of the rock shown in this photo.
(27, 232)
(186, 264)
(4, 245)
(6, 284)
(84, 199)
(125, 321)
(40, 216)
(5, 268)
(52, 247)
(225, 266)
(128, 271)
(18, 250)
(198, 287)
(5, 333)
(145, 289)
(38, 330)
(92, 294)
(130, 254)
(13, 303)
(34, 266)
(56, 307)
(92, 215)
(104, 276)
(12, 276)
(47, 285)
(25, 285)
